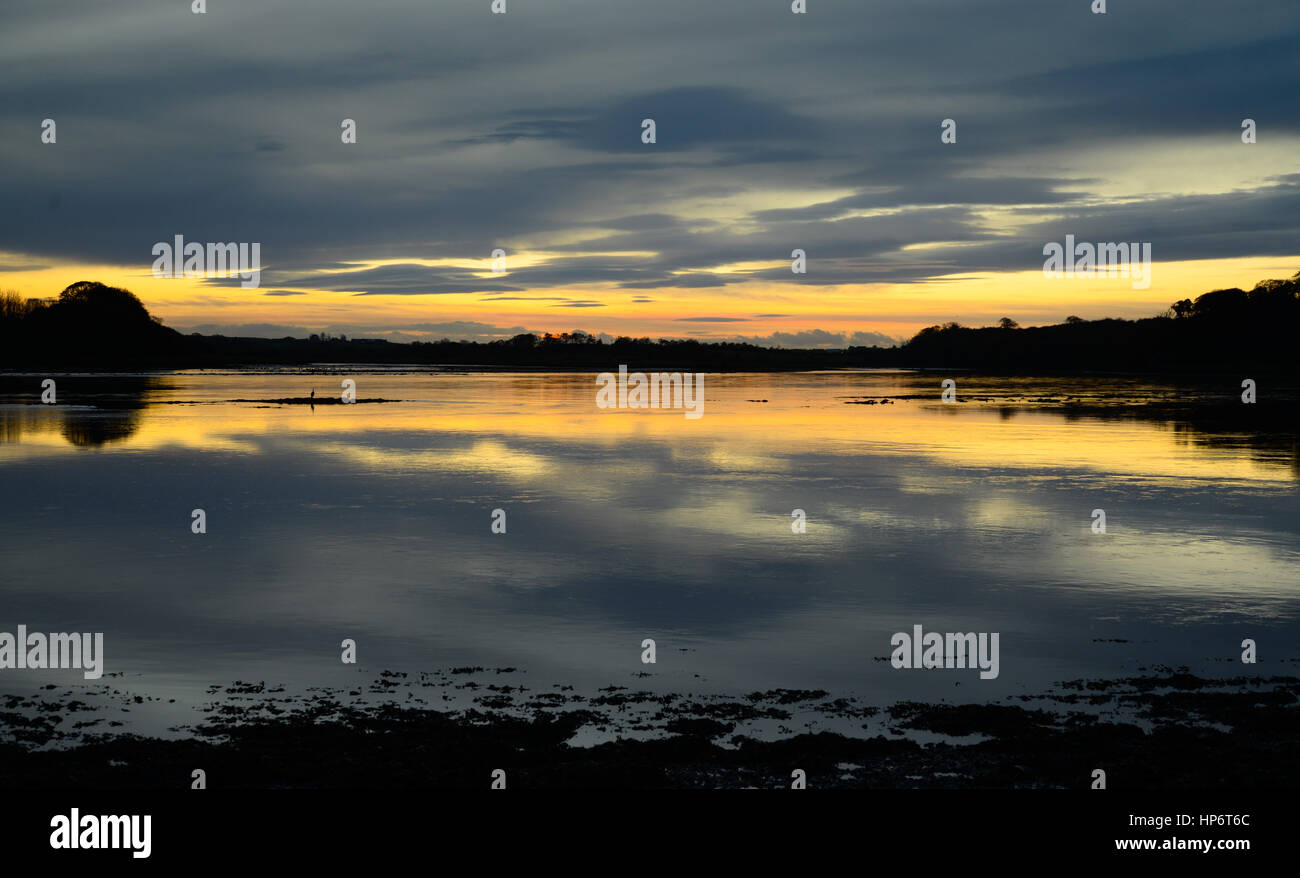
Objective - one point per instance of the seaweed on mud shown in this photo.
(1154, 732)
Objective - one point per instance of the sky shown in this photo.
(523, 132)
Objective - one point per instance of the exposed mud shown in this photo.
(1167, 731)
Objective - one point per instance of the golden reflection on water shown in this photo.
(509, 419)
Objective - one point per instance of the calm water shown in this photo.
(372, 522)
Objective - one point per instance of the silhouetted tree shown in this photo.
(88, 324)
(1220, 303)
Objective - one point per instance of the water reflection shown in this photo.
(372, 522)
(89, 410)
(1057, 420)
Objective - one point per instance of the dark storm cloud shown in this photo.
(1180, 93)
(689, 117)
(523, 131)
(744, 129)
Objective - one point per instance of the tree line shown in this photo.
(92, 326)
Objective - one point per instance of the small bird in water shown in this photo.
(313, 393)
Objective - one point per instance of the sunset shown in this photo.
(472, 132)
(410, 400)
(765, 312)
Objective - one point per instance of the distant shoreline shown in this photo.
(1205, 375)
(96, 328)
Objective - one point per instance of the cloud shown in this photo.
(463, 147)
(818, 338)
(401, 279)
(456, 330)
(246, 330)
